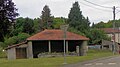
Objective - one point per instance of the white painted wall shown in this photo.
(117, 37)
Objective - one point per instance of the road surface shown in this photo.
(104, 62)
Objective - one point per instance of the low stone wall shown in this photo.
(56, 54)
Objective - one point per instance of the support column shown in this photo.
(83, 49)
(78, 50)
(49, 45)
(102, 46)
(29, 50)
(110, 47)
(67, 47)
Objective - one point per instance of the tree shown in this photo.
(8, 13)
(76, 19)
(96, 35)
(18, 26)
(58, 21)
(28, 26)
(46, 17)
(37, 27)
(14, 40)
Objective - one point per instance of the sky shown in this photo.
(61, 8)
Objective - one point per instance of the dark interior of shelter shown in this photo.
(56, 46)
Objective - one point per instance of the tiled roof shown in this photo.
(16, 45)
(110, 30)
(56, 35)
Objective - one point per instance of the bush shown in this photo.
(14, 40)
(11, 40)
(2, 45)
(22, 37)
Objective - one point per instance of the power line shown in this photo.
(117, 12)
(95, 7)
(97, 4)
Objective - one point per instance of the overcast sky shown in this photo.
(61, 8)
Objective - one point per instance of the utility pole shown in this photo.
(114, 49)
(64, 28)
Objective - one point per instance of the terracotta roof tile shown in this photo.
(56, 35)
(16, 45)
(110, 30)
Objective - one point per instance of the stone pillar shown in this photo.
(110, 47)
(29, 50)
(78, 50)
(102, 46)
(67, 47)
(49, 45)
(83, 48)
(116, 48)
(11, 54)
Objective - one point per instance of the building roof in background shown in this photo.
(110, 30)
(56, 35)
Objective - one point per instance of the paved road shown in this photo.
(104, 62)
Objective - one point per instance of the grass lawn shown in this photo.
(53, 62)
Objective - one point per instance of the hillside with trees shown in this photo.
(22, 28)
(108, 24)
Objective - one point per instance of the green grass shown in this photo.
(53, 62)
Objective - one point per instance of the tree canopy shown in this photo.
(108, 24)
(8, 13)
(24, 27)
(46, 17)
(76, 19)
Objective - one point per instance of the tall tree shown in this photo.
(8, 13)
(76, 19)
(46, 17)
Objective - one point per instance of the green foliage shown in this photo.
(96, 35)
(37, 26)
(18, 26)
(22, 37)
(2, 53)
(28, 26)
(76, 19)
(11, 40)
(8, 13)
(46, 17)
(2, 45)
(25, 25)
(76, 31)
(57, 22)
(108, 24)
(14, 40)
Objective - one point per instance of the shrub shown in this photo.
(22, 37)
(11, 40)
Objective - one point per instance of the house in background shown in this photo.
(48, 41)
(116, 38)
(110, 31)
(109, 45)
